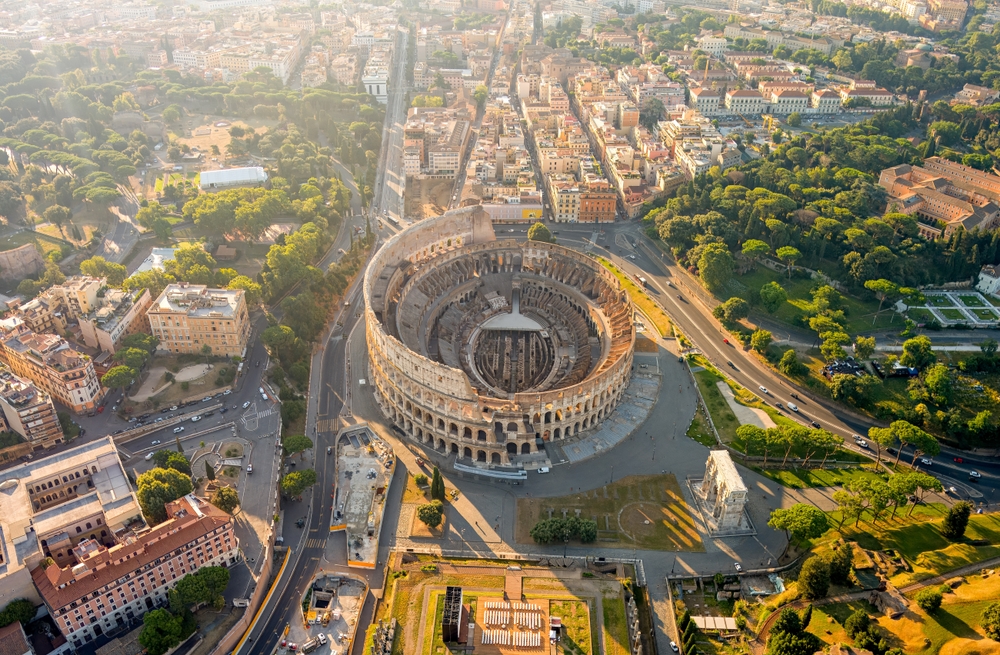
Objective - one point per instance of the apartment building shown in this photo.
(564, 194)
(788, 101)
(705, 100)
(52, 364)
(598, 201)
(745, 102)
(944, 195)
(826, 101)
(50, 504)
(948, 10)
(120, 314)
(102, 587)
(344, 68)
(187, 317)
(28, 411)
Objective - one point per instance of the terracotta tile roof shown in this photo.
(12, 641)
(104, 566)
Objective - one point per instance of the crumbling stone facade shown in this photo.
(479, 347)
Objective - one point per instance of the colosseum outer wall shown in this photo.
(436, 404)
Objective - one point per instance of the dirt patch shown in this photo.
(231, 450)
(420, 529)
(156, 382)
(203, 134)
(426, 198)
(646, 345)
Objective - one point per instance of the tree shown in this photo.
(58, 216)
(169, 459)
(118, 377)
(732, 310)
(760, 340)
(100, 267)
(160, 486)
(929, 599)
(857, 623)
(209, 471)
(226, 499)
(956, 520)
(864, 347)
(883, 290)
(789, 255)
(540, 232)
(203, 587)
(134, 358)
(938, 382)
(772, 296)
(651, 112)
(814, 578)
(481, 95)
(715, 266)
(293, 484)
(431, 513)
(161, 631)
(918, 352)
(800, 521)
(988, 347)
(807, 616)
(251, 289)
(437, 485)
(841, 564)
(882, 438)
(794, 119)
(924, 484)
(789, 363)
(850, 505)
(842, 59)
(989, 620)
(296, 443)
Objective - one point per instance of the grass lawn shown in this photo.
(646, 512)
(918, 539)
(972, 301)
(45, 243)
(641, 299)
(158, 187)
(575, 615)
(806, 478)
(858, 313)
(939, 301)
(722, 416)
(701, 431)
(953, 314)
(615, 628)
(920, 315)
(985, 314)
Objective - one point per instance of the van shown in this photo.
(543, 469)
(149, 457)
(793, 407)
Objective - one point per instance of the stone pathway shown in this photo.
(745, 415)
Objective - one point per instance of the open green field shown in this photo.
(45, 243)
(641, 299)
(920, 315)
(953, 314)
(576, 638)
(984, 314)
(722, 416)
(972, 301)
(858, 313)
(615, 626)
(646, 512)
(940, 301)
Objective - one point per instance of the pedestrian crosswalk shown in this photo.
(316, 543)
(328, 424)
(267, 412)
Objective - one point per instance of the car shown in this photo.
(206, 399)
(329, 450)
(862, 443)
(815, 424)
(779, 406)
(160, 420)
(218, 395)
(227, 392)
(264, 396)
(731, 365)
(261, 390)
(725, 341)
(155, 442)
(953, 491)
(207, 414)
(223, 410)
(739, 567)
(114, 408)
(857, 437)
(891, 451)
(796, 397)
(292, 646)
(793, 407)
(926, 462)
(164, 410)
(511, 230)
(195, 419)
(148, 456)
(632, 257)
(543, 469)
(673, 647)
(958, 460)
(246, 404)
(763, 389)
(249, 468)
(118, 431)
(174, 408)
(975, 475)
(257, 365)
(284, 643)
(178, 429)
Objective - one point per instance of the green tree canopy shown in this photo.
(159, 486)
(293, 484)
(540, 232)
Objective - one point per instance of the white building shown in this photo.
(232, 177)
(989, 280)
(713, 45)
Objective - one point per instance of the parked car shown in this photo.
(543, 469)
(862, 443)
(206, 399)
(673, 647)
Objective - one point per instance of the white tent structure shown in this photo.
(232, 177)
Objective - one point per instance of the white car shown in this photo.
(763, 389)
(926, 462)
(673, 647)
(149, 457)
(862, 443)
(543, 469)
(246, 404)
(195, 419)
(154, 442)
(975, 474)
(227, 392)
(793, 407)
(739, 567)
(178, 430)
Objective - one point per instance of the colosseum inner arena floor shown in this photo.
(486, 348)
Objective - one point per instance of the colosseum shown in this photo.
(485, 348)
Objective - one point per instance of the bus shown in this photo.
(641, 280)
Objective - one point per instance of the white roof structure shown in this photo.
(228, 177)
(715, 623)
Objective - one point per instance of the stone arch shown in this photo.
(467, 453)
(576, 428)
(480, 455)
(537, 418)
(495, 458)
(466, 432)
(557, 434)
(453, 429)
(440, 424)
(548, 417)
(511, 448)
(525, 448)
(512, 427)
(441, 445)
(454, 448)
(481, 435)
